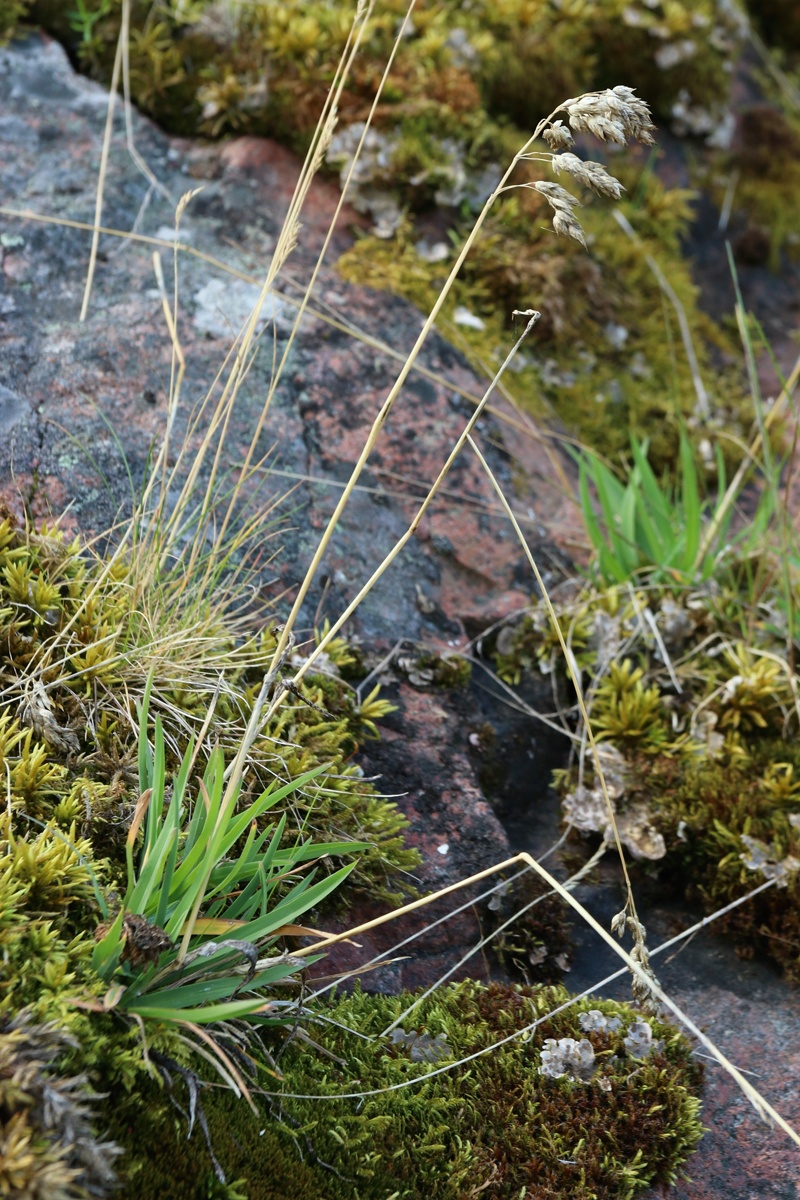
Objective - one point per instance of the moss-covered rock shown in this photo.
(606, 359)
(514, 1116)
(602, 1115)
(696, 727)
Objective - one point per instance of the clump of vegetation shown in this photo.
(571, 1103)
(112, 887)
(74, 632)
(686, 641)
(731, 823)
(594, 1099)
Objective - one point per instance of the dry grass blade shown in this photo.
(101, 176)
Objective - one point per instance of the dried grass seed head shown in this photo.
(557, 196)
(591, 174)
(566, 226)
(562, 202)
(614, 115)
(557, 136)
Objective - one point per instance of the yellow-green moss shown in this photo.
(706, 809)
(267, 67)
(702, 726)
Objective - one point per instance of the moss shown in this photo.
(426, 668)
(498, 1123)
(48, 1150)
(706, 809)
(160, 1160)
(624, 710)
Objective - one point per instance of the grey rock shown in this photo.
(13, 409)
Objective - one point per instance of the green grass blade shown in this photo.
(173, 819)
(656, 501)
(145, 756)
(613, 498)
(231, 1010)
(587, 508)
(310, 850)
(609, 568)
(155, 808)
(299, 900)
(248, 901)
(691, 505)
(152, 870)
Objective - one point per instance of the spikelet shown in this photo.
(591, 174)
(562, 202)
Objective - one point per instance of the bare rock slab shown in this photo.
(92, 394)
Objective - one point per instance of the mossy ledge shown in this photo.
(497, 1122)
(68, 750)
